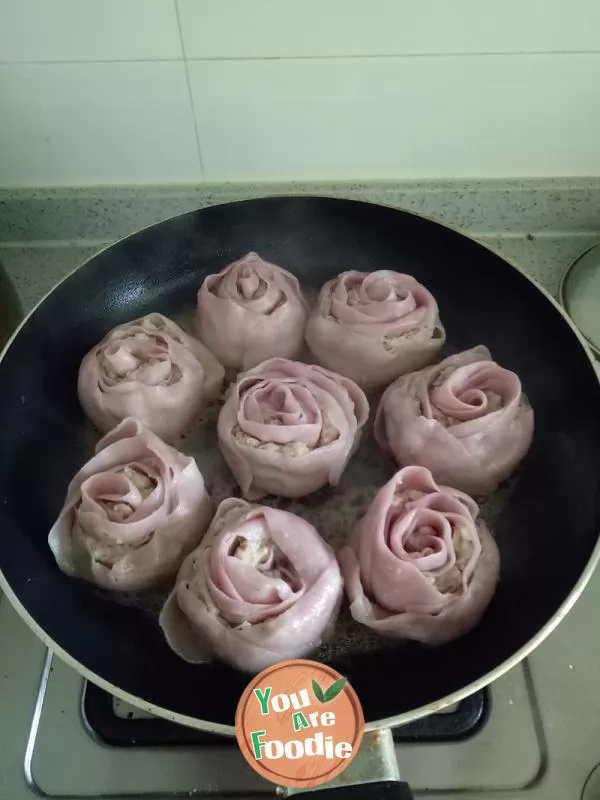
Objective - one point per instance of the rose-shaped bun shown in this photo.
(132, 513)
(151, 370)
(251, 311)
(261, 587)
(289, 428)
(466, 419)
(374, 326)
(421, 565)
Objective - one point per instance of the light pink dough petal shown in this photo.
(420, 564)
(251, 311)
(280, 548)
(373, 327)
(122, 532)
(289, 428)
(450, 622)
(466, 419)
(152, 370)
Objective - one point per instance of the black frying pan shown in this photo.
(547, 533)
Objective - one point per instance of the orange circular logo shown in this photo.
(299, 723)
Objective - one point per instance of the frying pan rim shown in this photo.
(385, 722)
(562, 291)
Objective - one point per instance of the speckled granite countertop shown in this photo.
(542, 225)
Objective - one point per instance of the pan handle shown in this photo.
(384, 790)
(373, 774)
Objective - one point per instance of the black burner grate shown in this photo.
(461, 722)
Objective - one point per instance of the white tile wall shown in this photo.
(287, 28)
(88, 30)
(135, 91)
(96, 123)
(411, 117)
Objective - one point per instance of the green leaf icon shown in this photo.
(335, 688)
(318, 692)
(330, 693)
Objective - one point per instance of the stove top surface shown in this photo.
(71, 760)
(540, 740)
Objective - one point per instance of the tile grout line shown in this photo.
(190, 93)
(322, 57)
(50, 62)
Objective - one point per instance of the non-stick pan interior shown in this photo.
(546, 523)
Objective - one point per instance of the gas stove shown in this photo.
(534, 735)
